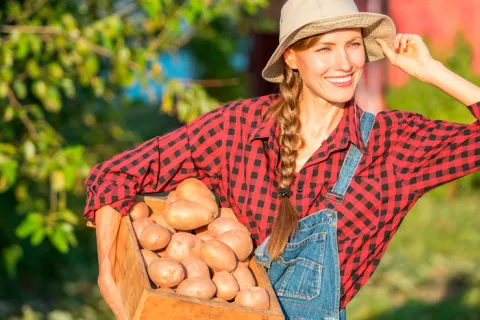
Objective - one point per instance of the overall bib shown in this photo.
(306, 277)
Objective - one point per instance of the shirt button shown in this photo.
(300, 189)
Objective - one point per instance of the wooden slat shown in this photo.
(127, 269)
(156, 203)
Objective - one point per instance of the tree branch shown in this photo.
(25, 120)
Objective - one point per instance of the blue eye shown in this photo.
(324, 49)
(357, 43)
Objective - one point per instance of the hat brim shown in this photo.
(374, 25)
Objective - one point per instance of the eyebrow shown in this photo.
(333, 43)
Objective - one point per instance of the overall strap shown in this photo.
(352, 160)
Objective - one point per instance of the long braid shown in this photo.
(286, 113)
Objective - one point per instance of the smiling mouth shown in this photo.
(346, 79)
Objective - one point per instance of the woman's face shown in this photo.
(331, 68)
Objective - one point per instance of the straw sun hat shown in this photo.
(301, 19)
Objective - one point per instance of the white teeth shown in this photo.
(340, 80)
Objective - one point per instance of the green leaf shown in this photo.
(23, 47)
(29, 149)
(59, 240)
(61, 236)
(21, 191)
(39, 89)
(20, 89)
(152, 7)
(33, 69)
(30, 224)
(53, 100)
(3, 89)
(37, 237)
(9, 113)
(55, 70)
(68, 87)
(70, 172)
(11, 257)
(69, 216)
(8, 172)
(7, 58)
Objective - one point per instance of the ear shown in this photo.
(289, 57)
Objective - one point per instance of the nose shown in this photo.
(342, 61)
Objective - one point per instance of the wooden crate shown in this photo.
(143, 302)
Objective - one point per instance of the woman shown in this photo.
(322, 185)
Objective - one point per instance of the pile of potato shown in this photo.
(194, 248)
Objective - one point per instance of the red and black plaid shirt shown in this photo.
(236, 154)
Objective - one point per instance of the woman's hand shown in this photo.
(409, 53)
(108, 223)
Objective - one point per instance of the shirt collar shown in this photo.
(347, 130)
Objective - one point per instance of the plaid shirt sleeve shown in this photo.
(158, 165)
(427, 153)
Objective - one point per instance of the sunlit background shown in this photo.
(83, 80)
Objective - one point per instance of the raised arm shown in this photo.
(427, 153)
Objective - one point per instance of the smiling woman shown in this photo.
(321, 184)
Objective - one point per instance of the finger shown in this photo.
(396, 42)
(409, 40)
(404, 41)
(388, 51)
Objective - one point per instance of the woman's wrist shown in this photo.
(430, 71)
(439, 76)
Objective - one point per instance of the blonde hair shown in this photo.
(285, 112)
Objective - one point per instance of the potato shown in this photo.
(201, 288)
(194, 190)
(239, 241)
(227, 213)
(218, 256)
(244, 276)
(172, 196)
(246, 261)
(148, 256)
(139, 210)
(187, 215)
(140, 224)
(195, 267)
(205, 236)
(166, 272)
(159, 218)
(253, 297)
(155, 237)
(221, 225)
(227, 285)
(182, 245)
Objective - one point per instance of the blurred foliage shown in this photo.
(64, 67)
(425, 99)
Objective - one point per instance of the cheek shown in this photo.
(358, 59)
(314, 67)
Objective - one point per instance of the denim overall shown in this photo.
(306, 277)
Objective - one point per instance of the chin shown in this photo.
(339, 98)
